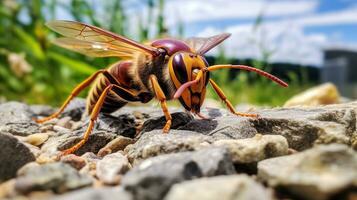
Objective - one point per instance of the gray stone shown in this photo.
(255, 149)
(74, 161)
(156, 143)
(317, 173)
(232, 187)
(223, 127)
(42, 110)
(96, 141)
(111, 167)
(75, 109)
(152, 178)
(178, 119)
(103, 193)
(304, 127)
(58, 177)
(16, 118)
(13, 155)
(124, 124)
(143, 112)
(118, 144)
(91, 164)
(243, 151)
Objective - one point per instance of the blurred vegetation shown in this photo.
(35, 71)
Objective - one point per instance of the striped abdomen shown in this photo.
(115, 99)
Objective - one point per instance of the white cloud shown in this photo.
(202, 10)
(286, 38)
(287, 42)
(347, 16)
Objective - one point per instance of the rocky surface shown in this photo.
(111, 167)
(104, 193)
(152, 178)
(317, 173)
(16, 118)
(233, 187)
(57, 177)
(287, 153)
(13, 155)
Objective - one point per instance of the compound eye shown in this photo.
(179, 68)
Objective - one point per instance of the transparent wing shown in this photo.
(94, 41)
(94, 49)
(203, 45)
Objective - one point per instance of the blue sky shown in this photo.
(345, 32)
(295, 31)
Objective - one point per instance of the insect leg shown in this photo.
(227, 102)
(161, 97)
(73, 94)
(93, 116)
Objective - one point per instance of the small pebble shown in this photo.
(64, 122)
(61, 129)
(7, 189)
(24, 168)
(118, 144)
(76, 162)
(36, 139)
(111, 167)
(91, 164)
(138, 114)
(46, 128)
(76, 125)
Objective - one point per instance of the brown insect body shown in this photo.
(166, 69)
(133, 75)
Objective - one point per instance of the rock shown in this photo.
(155, 143)
(36, 139)
(91, 164)
(111, 167)
(58, 177)
(16, 118)
(64, 122)
(304, 127)
(7, 189)
(178, 119)
(323, 94)
(75, 109)
(255, 149)
(233, 187)
(106, 129)
(104, 193)
(74, 161)
(36, 151)
(317, 173)
(67, 139)
(42, 110)
(223, 127)
(13, 155)
(124, 125)
(118, 144)
(141, 112)
(152, 178)
(245, 151)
